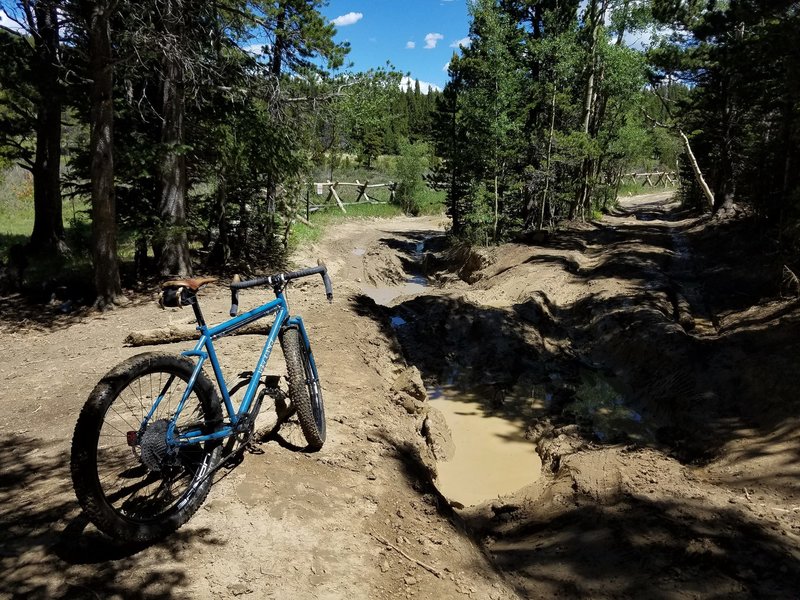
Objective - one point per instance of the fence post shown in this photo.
(308, 201)
(336, 196)
(362, 190)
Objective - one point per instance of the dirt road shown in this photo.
(602, 342)
(352, 521)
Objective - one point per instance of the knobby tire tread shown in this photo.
(84, 467)
(296, 361)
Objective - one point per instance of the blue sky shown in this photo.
(416, 36)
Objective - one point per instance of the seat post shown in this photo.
(198, 314)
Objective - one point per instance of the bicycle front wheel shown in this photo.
(129, 482)
(304, 388)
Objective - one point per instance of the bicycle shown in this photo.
(150, 437)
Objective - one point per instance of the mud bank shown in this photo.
(659, 477)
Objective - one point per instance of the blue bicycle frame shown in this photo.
(204, 350)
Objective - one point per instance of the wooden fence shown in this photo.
(662, 178)
(333, 198)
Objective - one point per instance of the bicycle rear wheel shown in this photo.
(304, 388)
(130, 484)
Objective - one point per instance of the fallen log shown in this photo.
(181, 332)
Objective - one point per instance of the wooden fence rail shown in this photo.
(654, 179)
(363, 196)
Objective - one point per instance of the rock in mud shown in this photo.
(437, 435)
(555, 443)
(411, 404)
(410, 382)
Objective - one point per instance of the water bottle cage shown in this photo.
(175, 297)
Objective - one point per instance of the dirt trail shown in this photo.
(280, 525)
(661, 405)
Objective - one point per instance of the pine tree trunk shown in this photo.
(48, 224)
(221, 250)
(723, 190)
(276, 67)
(596, 18)
(104, 232)
(174, 259)
(496, 210)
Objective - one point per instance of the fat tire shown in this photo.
(84, 457)
(306, 396)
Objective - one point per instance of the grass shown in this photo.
(16, 207)
(16, 225)
(16, 203)
(431, 203)
(635, 189)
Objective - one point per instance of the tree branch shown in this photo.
(698, 174)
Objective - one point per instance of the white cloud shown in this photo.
(411, 45)
(432, 39)
(464, 42)
(9, 23)
(348, 19)
(408, 83)
(257, 49)
(446, 66)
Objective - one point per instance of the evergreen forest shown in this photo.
(161, 126)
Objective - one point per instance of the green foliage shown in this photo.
(514, 118)
(17, 100)
(740, 66)
(409, 168)
(479, 219)
(300, 34)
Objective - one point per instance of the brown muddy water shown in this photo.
(492, 457)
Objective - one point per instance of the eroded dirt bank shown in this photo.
(657, 369)
(650, 371)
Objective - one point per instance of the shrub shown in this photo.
(408, 170)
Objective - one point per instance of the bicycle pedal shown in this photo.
(233, 460)
(254, 448)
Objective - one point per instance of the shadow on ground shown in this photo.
(641, 548)
(49, 551)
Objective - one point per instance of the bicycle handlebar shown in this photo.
(277, 280)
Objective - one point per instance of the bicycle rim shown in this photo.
(144, 482)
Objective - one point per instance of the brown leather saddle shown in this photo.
(179, 292)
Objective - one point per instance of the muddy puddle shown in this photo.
(413, 284)
(385, 295)
(492, 457)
